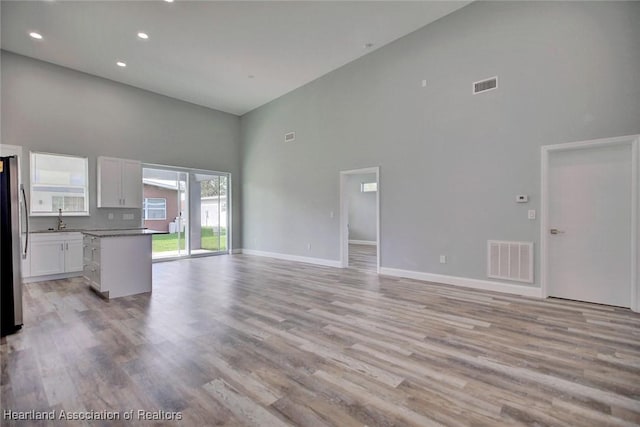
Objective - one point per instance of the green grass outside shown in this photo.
(169, 242)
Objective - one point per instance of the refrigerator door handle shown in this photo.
(26, 221)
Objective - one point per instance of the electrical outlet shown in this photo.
(110, 216)
(331, 214)
(443, 259)
(308, 246)
(127, 216)
(531, 214)
(424, 83)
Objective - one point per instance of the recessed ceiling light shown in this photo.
(169, 1)
(251, 76)
(143, 36)
(35, 35)
(121, 64)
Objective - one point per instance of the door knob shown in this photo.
(555, 231)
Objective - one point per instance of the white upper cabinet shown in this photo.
(132, 183)
(119, 183)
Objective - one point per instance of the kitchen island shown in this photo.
(117, 263)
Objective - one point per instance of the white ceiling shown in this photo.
(204, 51)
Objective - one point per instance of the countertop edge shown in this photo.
(122, 233)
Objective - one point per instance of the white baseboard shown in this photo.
(363, 242)
(236, 251)
(297, 258)
(487, 285)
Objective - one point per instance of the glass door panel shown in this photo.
(209, 213)
(165, 208)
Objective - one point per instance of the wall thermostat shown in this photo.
(522, 198)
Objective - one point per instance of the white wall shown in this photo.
(451, 162)
(362, 208)
(54, 109)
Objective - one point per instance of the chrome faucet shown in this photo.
(61, 224)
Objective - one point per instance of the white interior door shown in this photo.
(590, 224)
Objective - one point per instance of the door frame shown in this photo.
(344, 214)
(631, 140)
(229, 224)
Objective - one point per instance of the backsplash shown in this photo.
(99, 219)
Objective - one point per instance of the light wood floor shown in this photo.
(363, 257)
(241, 340)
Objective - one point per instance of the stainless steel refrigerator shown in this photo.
(12, 247)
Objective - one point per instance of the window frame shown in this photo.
(145, 209)
(32, 184)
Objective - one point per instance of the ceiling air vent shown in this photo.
(289, 137)
(485, 85)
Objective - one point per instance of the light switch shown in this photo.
(127, 216)
(443, 259)
(531, 214)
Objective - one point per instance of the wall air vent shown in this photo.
(510, 260)
(485, 85)
(289, 137)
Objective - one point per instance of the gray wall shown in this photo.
(54, 109)
(451, 162)
(362, 208)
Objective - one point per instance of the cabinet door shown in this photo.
(132, 184)
(47, 257)
(73, 255)
(109, 182)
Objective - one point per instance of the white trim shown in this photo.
(633, 141)
(344, 216)
(487, 285)
(362, 242)
(296, 258)
(10, 150)
(236, 251)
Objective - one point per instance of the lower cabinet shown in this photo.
(92, 267)
(73, 255)
(54, 253)
(118, 266)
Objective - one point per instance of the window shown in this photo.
(155, 208)
(59, 182)
(367, 187)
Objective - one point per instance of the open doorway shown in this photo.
(360, 219)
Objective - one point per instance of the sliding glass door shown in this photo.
(191, 205)
(165, 208)
(209, 213)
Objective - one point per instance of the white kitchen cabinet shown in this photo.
(119, 264)
(119, 183)
(73, 255)
(47, 257)
(55, 253)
